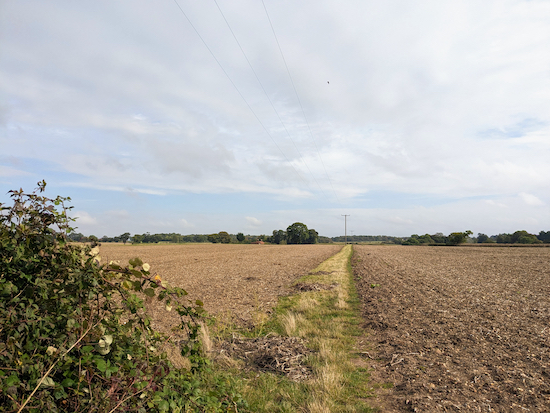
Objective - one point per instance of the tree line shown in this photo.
(299, 233)
(518, 237)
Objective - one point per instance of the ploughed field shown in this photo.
(234, 280)
(457, 328)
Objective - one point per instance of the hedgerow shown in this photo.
(74, 333)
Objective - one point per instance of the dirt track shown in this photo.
(458, 329)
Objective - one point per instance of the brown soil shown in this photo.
(457, 329)
(233, 280)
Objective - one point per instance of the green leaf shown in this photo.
(135, 262)
(86, 349)
(47, 382)
(149, 292)
(101, 365)
(12, 380)
(68, 382)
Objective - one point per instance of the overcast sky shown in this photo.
(199, 117)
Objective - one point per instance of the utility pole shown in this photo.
(345, 228)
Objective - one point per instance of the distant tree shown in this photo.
(411, 241)
(544, 236)
(481, 238)
(240, 237)
(278, 236)
(137, 239)
(313, 237)
(297, 233)
(200, 238)
(77, 237)
(426, 239)
(439, 238)
(523, 237)
(224, 237)
(456, 238)
(324, 240)
(214, 238)
(504, 238)
(125, 237)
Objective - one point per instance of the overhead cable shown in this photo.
(239, 92)
(299, 101)
(268, 98)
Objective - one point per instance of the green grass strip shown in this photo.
(329, 322)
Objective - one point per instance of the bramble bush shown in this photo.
(74, 333)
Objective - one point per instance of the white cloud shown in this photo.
(185, 224)
(8, 171)
(253, 222)
(530, 199)
(119, 214)
(494, 203)
(84, 219)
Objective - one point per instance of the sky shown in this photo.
(246, 116)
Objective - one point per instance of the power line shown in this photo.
(300, 102)
(268, 98)
(239, 92)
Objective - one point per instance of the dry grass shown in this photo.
(322, 314)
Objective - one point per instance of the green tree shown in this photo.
(482, 238)
(411, 241)
(297, 233)
(456, 238)
(200, 238)
(124, 237)
(425, 239)
(214, 238)
(312, 237)
(240, 237)
(504, 238)
(523, 237)
(77, 237)
(224, 237)
(439, 238)
(278, 237)
(544, 236)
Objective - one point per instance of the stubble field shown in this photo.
(233, 280)
(460, 329)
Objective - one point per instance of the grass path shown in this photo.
(327, 318)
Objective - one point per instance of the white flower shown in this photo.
(146, 267)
